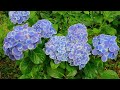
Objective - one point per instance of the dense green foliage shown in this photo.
(36, 65)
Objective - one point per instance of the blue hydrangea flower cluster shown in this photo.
(77, 33)
(56, 48)
(44, 28)
(105, 46)
(20, 39)
(72, 48)
(18, 17)
(77, 47)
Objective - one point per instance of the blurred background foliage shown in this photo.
(40, 66)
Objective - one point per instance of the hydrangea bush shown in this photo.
(63, 44)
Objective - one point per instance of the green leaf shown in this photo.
(32, 14)
(108, 30)
(86, 20)
(116, 22)
(55, 26)
(72, 74)
(55, 73)
(99, 65)
(47, 76)
(33, 18)
(109, 16)
(111, 31)
(45, 15)
(25, 66)
(110, 19)
(61, 12)
(26, 76)
(34, 71)
(90, 41)
(71, 71)
(26, 54)
(98, 19)
(53, 65)
(90, 32)
(18, 62)
(72, 20)
(109, 74)
(62, 65)
(96, 31)
(41, 45)
(37, 56)
(90, 70)
(54, 12)
(70, 68)
(86, 12)
(118, 66)
(106, 14)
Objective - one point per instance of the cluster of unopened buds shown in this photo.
(72, 48)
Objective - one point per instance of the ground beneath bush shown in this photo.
(114, 65)
(8, 70)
